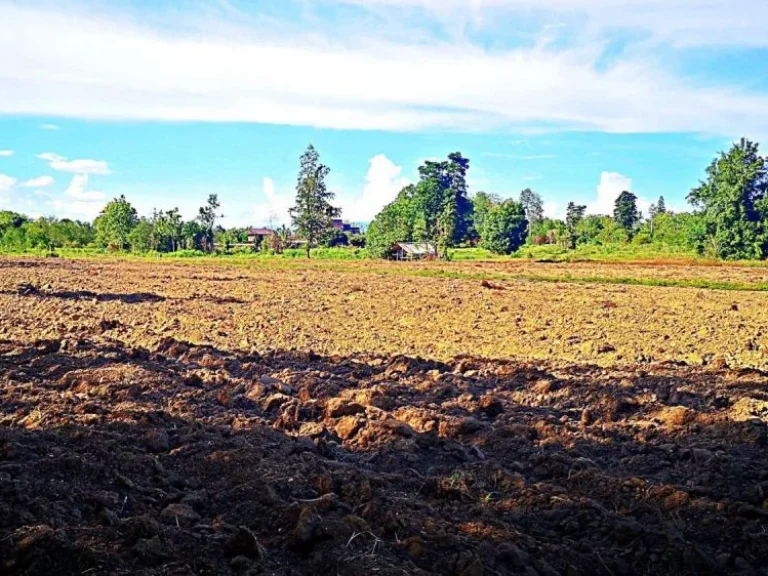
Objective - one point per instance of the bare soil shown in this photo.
(144, 429)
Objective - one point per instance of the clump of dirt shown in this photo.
(188, 459)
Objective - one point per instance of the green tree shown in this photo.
(625, 213)
(482, 202)
(207, 217)
(733, 203)
(399, 221)
(442, 201)
(115, 223)
(166, 227)
(534, 207)
(436, 209)
(280, 240)
(505, 228)
(574, 213)
(661, 206)
(192, 235)
(141, 238)
(313, 214)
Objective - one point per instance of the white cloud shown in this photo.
(39, 182)
(73, 209)
(6, 182)
(50, 157)
(106, 67)
(382, 183)
(688, 23)
(49, 127)
(274, 211)
(78, 190)
(61, 164)
(554, 210)
(6, 153)
(611, 185)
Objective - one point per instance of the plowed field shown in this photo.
(216, 419)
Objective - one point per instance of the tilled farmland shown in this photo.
(204, 419)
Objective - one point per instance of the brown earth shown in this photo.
(154, 420)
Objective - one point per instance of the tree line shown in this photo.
(729, 219)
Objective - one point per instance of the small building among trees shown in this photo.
(257, 235)
(346, 227)
(414, 251)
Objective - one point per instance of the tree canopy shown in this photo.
(733, 203)
(505, 228)
(436, 209)
(533, 205)
(115, 223)
(313, 214)
(625, 212)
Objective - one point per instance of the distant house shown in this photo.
(259, 234)
(414, 251)
(347, 227)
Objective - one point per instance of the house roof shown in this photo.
(417, 249)
(260, 232)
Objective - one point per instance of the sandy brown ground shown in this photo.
(347, 313)
(190, 419)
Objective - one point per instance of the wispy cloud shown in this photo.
(689, 23)
(49, 127)
(7, 182)
(382, 183)
(104, 66)
(39, 182)
(6, 153)
(611, 185)
(86, 166)
(274, 210)
(78, 190)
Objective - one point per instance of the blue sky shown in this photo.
(167, 101)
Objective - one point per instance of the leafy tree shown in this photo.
(573, 215)
(10, 219)
(533, 205)
(436, 209)
(280, 240)
(625, 213)
(141, 238)
(545, 231)
(335, 239)
(115, 223)
(505, 228)
(38, 233)
(399, 221)
(733, 203)
(441, 199)
(313, 213)
(207, 217)
(166, 228)
(192, 235)
(482, 202)
(661, 206)
(358, 241)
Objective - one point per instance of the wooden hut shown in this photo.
(414, 251)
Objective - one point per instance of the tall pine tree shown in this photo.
(313, 214)
(625, 213)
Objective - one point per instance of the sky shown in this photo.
(167, 101)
